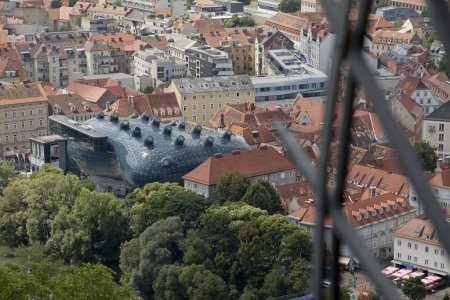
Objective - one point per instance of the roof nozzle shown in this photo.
(209, 141)
(168, 130)
(148, 141)
(227, 135)
(197, 129)
(124, 125)
(145, 116)
(156, 121)
(182, 125)
(100, 115)
(179, 141)
(114, 117)
(133, 116)
(137, 131)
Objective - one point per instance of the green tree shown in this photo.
(194, 248)
(298, 275)
(92, 231)
(231, 187)
(56, 4)
(90, 282)
(399, 22)
(158, 246)
(236, 21)
(276, 283)
(263, 243)
(344, 294)
(289, 6)
(118, 3)
(13, 220)
(149, 89)
(188, 282)
(6, 174)
(129, 258)
(72, 3)
(446, 296)
(370, 296)
(427, 154)
(414, 289)
(156, 201)
(263, 195)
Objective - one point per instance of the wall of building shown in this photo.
(437, 133)
(422, 255)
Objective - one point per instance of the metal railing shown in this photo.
(348, 48)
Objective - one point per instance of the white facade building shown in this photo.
(436, 130)
(417, 245)
(374, 219)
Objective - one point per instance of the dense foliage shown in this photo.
(164, 241)
(289, 6)
(236, 21)
(414, 289)
(427, 154)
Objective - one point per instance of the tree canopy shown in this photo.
(6, 174)
(231, 187)
(427, 154)
(236, 21)
(414, 289)
(289, 6)
(263, 195)
(46, 280)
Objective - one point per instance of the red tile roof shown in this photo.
(261, 161)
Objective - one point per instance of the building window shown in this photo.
(184, 107)
(211, 105)
(436, 251)
(194, 119)
(415, 246)
(441, 127)
(22, 124)
(14, 125)
(41, 112)
(194, 107)
(435, 264)
(442, 266)
(15, 138)
(194, 97)
(440, 147)
(6, 115)
(409, 245)
(426, 262)
(203, 118)
(409, 257)
(31, 123)
(442, 252)
(415, 259)
(6, 126)
(41, 122)
(426, 249)
(14, 114)
(203, 106)
(23, 136)
(399, 255)
(441, 137)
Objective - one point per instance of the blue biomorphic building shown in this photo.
(122, 153)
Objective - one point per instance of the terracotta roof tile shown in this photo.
(22, 93)
(70, 104)
(261, 161)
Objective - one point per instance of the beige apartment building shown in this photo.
(199, 98)
(23, 114)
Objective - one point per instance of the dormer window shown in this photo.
(388, 209)
(380, 211)
(366, 215)
(403, 204)
(358, 217)
(374, 213)
(394, 206)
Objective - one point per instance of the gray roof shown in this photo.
(213, 84)
(442, 113)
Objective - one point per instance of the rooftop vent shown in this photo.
(156, 121)
(197, 129)
(227, 135)
(209, 141)
(114, 117)
(218, 155)
(168, 130)
(100, 115)
(133, 116)
(148, 141)
(124, 125)
(179, 141)
(165, 162)
(137, 131)
(182, 125)
(145, 116)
